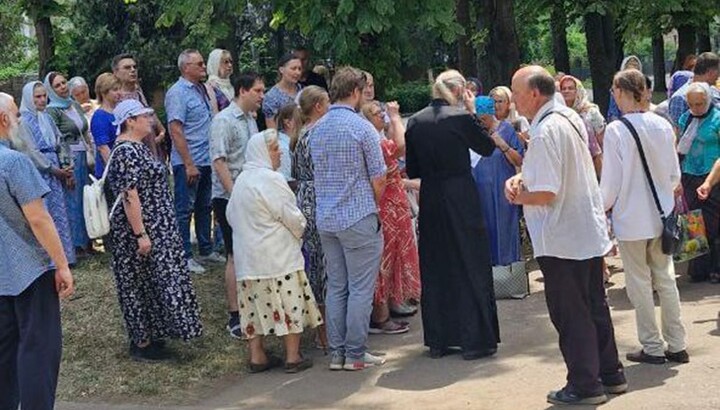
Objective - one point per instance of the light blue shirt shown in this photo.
(285, 157)
(189, 103)
(346, 155)
(230, 132)
(22, 259)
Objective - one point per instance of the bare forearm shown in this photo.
(397, 133)
(180, 142)
(539, 198)
(43, 228)
(223, 173)
(104, 152)
(378, 185)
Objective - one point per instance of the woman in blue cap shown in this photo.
(153, 282)
(502, 218)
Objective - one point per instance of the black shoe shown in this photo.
(678, 357)
(564, 396)
(642, 357)
(477, 354)
(304, 364)
(272, 361)
(619, 388)
(149, 353)
(438, 352)
(614, 384)
(159, 344)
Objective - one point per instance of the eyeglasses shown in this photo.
(228, 61)
(377, 114)
(198, 63)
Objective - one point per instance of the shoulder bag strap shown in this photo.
(634, 133)
(105, 172)
(547, 114)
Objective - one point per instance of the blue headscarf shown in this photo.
(43, 129)
(55, 100)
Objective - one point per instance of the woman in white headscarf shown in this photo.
(274, 294)
(42, 145)
(219, 70)
(700, 146)
(575, 96)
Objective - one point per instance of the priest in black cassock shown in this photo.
(458, 301)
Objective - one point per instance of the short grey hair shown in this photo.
(6, 101)
(185, 56)
(76, 82)
(699, 88)
(543, 82)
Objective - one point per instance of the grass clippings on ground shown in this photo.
(96, 364)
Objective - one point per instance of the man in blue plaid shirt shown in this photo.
(349, 179)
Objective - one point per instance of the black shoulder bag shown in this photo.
(670, 222)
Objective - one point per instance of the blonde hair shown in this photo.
(104, 83)
(631, 81)
(309, 97)
(289, 112)
(446, 84)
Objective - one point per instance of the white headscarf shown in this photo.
(257, 155)
(213, 70)
(627, 59)
(693, 123)
(29, 112)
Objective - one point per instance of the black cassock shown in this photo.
(458, 301)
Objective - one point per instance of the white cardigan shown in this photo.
(267, 226)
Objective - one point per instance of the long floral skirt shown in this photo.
(277, 306)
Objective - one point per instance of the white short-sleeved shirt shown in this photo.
(557, 160)
(624, 185)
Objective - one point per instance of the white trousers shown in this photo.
(647, 268)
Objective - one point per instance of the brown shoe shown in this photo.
(642, 357)
(273, 361)
(304, 364)
(678, 357)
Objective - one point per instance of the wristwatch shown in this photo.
(140, 235)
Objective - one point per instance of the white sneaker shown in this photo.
(195, 267)
(368, 360)
(214, 257)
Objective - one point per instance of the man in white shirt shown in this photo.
(636, 218)
(566, 220)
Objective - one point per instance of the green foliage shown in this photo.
(412, 96)
(12, 42)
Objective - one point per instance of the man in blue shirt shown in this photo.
(349, 179)
(189, 115)
(30, 281)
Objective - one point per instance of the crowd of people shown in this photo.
(313, 192)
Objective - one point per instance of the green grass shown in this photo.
(96, 365)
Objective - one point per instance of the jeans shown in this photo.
(30, 346)
(648, 268)
(194, 200)
(353, 262)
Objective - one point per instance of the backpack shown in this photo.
(95, 209)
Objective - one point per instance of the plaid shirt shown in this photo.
(346, 155)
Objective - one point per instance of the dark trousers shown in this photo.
(30, 346)
(578, 308)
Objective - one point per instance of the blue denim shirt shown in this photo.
(189, 103)
(22, 259)
(346, 155)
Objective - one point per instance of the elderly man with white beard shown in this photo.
(30, 333)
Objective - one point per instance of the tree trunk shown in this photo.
(501, 57)
(686, 45)
(703, 38)
(558, 23)
(658, 47)
(467, 64)
(600, 35)
(46, 44)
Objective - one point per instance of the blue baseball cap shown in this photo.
(129, 109)
(484, 105)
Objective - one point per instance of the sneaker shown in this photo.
(642, 357)
(678, 357)
(195, 267)
(212, 258)
(368, 360)
(389, 327)
(337, 361)
(565, 396)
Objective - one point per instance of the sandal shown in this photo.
(272, 361)
(297, 367)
